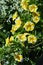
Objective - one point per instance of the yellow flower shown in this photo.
(29, 26)
(24, 4)
(22, 37)
(18, 22)
(33, 8)
(7, 42)
(14, 16)
(32, 39)
(36, 19)
(18, 57)
(11, 38)
(14, 28)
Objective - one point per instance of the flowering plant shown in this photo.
(21, 31)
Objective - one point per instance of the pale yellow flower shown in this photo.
(7, 41)
(36, 19)
(22, 37)
(14, 16)
(14, 28)
(29, 26)
(32, 39)
(18, 57)
(11, 38)
(33, 8)
(12, 31)
(18, 22)
(24, 4)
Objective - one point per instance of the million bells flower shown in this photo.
(18, 22)
(22, 37)
(29, 26)
(24, 4)
(18, 57)
(32, 39)
(36, 19)
(9, 40)
(33, 8)
(14, 16)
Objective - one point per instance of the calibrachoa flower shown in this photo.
(24, 4)
(9, 41)
(33, 8)
(29, 26)
(22, 37)
(11, 38)
(14, 16)
(32, 39)
(14, 28)
(18, 22)
(18, 57)
(35, 19)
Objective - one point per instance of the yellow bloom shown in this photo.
(14, 28)
(7, 42)
(33, 8)
(36, 19)
(11, 38)
(22, 37)
(18, 22)
(18, 57)
(32, 39)
(14, 16)
(24, 4)
(29, 26)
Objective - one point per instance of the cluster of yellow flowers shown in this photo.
(23, 37)
(17, 22)
(32, 8)
(28, 26)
